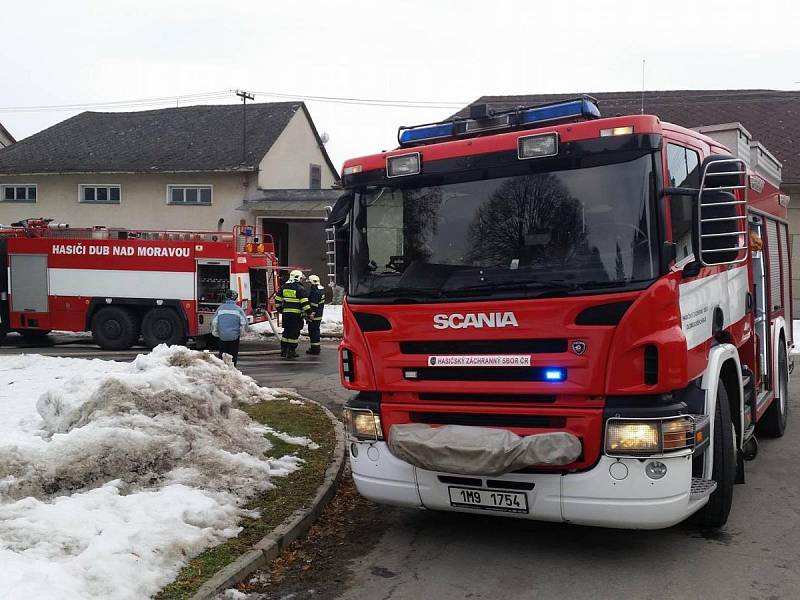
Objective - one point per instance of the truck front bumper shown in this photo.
(614, 493)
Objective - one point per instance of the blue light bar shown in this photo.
(574, 108)
(584, 107)
(555, 374)
(426, 132)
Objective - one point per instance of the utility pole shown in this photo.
(245, 96)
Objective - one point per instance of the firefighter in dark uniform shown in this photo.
(292, 302)
(316, 297)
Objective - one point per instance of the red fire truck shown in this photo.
(553, 315)
(123, 284)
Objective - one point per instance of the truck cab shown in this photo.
(548, 272)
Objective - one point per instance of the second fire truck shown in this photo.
(557, 316)
(125, 284)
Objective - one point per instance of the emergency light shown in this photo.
(555, 374)
(584, 107)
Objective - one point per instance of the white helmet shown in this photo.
(313, 279)
(295, 275)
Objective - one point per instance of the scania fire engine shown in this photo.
(553, 315)
(123, 284)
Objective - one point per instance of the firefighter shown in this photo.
(316, 298)
(228, 325)
(292, 302)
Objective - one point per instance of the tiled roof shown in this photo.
(772, 116)
(192, 138)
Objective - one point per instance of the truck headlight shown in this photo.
(647, 437)
(363, 424)
(633, 437)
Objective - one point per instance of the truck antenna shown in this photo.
(643, 62)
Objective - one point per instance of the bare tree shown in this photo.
(532, 218)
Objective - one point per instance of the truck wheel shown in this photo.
(773, 423)
(115, 328)
(715, 513)
(162, 326)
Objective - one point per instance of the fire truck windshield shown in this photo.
(551, 232)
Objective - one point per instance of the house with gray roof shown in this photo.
(6, 138)
(194, 167)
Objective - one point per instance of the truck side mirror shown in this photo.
(721, 237)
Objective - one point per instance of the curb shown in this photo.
(294, 526)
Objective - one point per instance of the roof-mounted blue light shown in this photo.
(584, 107)
(425, 133)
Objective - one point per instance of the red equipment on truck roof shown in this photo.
(121, 284)
(612, 294)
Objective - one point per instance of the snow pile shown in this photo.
(113, 474)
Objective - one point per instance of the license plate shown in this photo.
(488, 499)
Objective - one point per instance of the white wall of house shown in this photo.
(282, 168)
(143, 202)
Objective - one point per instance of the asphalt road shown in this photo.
(416, 555)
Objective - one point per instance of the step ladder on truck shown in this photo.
(557, 316)
(124, 285)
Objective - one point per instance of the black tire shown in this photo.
(162, 326)
(715, 513)
(773, 422)
(3, 333)
(115, 328)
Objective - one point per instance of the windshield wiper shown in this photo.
(518, 285)
(401, 291)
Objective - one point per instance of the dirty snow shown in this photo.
(331, 325)
(113, 474)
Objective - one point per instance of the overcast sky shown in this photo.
(80, 52)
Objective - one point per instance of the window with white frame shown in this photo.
(189, 194)
(91, 193)
(18, 192)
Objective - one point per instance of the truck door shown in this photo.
(29, 289)
(213, 280)
(760, 304)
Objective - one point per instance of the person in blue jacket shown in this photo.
(316, 298)
(228, 325)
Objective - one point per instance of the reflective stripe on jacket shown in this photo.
(292, 298)
(229, 321)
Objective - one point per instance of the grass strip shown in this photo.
(291, 493)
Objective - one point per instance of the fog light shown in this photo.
(537, 146)
(354, 449)
(405, 164)
(655, 469)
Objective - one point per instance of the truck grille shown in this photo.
(489, 420)
(509, 398)
(542, 346)
(476, 374)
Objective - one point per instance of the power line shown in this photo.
(169, 100)
(120, 103)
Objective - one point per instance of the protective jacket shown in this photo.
(317, 300)
(292, 298)
(229, 321)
